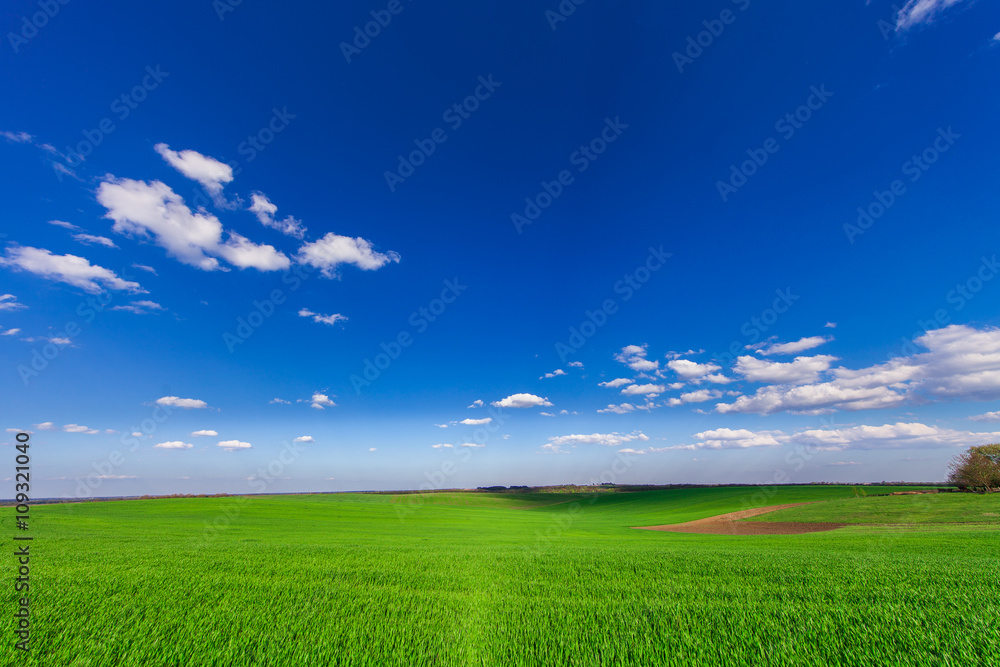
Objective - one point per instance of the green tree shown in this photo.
(978, 469)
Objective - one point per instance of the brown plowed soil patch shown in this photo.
(730, 524)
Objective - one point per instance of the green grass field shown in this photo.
(510, 579)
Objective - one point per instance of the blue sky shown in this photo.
(248, 248)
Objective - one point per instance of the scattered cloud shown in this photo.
(154, 210)
(11, 332)
(234, 445)
(644, 390)
(557, 372)
(10, 302)
(140, 307)
(617, 382)
(625, 408)
(443, 446)
(634, 356)
(699, 396)
(372, 449)
(90, 239)
(69, 269)
(830, 325)
(65, 225)
(478, 403)
(333, 250)
(321, 401)
(16, 137)
(212, 174)
(472, 445)
(77, 428)
(522, 401)
(987, 417)
(185, 403)
(441, 425)
(961, 363)
(922, 12)
(802, 370)
(800, 345)
(143, 267)
(476, 422)
(323, 319)
(557, 444)
(692, 371)
(46, 426)
(575, 364)
(174, 444)
(305, 438)
(279, 401)
(205, 432)
(262, 207)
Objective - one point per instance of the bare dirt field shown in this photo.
(730, 524)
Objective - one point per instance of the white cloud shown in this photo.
(174, 444)
(90, 239)
(690, 370)
(922, 12)
(372, 449)
(10, 302)
(471, 445)
(644, 390)
(323, 319)
(153, 209)
(69, 269)
(204, 432)
(629, 450)
(546, 414)
(443, 446)
(634, 356)
(16, 137)
(333, 250)
(143, 267)
(262, 207)
(441, 425)
(478, 403)
(725, 438)
(802, 370)
(234, 445)
(699, 396)
(143, 307)
(11, 332)
(46, 426)
(279, 401)
(891, 436)
(961, 363)
(625, 408)
(612, 384)
(987, 417)
(522, 401)
(800, 345)
(77, 428)
(185, 403)
(208, 171)
(557, 372)
(888, 436)
(305, 438)
(575, 364)
(321, 401)
(556, 444)
(830, 325)
(476, 422)
(64, 225)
